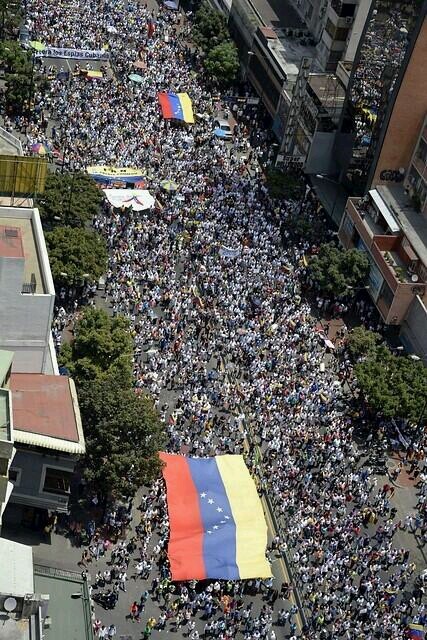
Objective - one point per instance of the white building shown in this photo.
(27, 294)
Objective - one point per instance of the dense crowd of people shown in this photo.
(212, 282)
(384, 47)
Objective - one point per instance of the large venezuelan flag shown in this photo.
(217, 525)
(177, 106)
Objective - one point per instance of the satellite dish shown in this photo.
(414, 277)
(10, 604)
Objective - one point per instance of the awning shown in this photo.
(384, 210)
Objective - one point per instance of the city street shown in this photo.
(228, 344)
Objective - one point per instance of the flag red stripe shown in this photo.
(166, 106)
(185, 549)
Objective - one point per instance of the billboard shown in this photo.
(22, 176)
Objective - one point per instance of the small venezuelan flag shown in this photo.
(217, 525)
(176, 106)
(416, 632)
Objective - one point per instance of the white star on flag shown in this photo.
(210, 501)
(227, 517)
(223, 521)
(203, 495)
(219, 509)
(215, 526)
(209, 532)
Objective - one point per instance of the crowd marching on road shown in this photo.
(226, 344)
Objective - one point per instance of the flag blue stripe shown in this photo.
(219, 546)
(175, 103)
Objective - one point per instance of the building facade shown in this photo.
(7, 449)
(385, 225)
(49, 439)
(388, 74)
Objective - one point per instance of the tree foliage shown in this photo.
(76, 255)
(102, 349)
(394, 386)
(337, 271)
(283, 185)
(362, 342)
(123, 436)
(13, 58)
(210, 27)
(222, 62)
(69, 200)
(17, 65)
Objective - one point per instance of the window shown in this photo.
(15, 476)
(330, 29)
(343, 10)
(341, 34)
(422, 150)
(57, 481)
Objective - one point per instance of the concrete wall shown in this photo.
(353, 40)
(408, 113)
(29, 488)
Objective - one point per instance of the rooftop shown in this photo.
(290, 51)
(45, 412)
(28, 248)
(279, 14)
(16, 576)
(327, 89)
(70, 615)
(413, 224)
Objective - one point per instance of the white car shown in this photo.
(224, 127)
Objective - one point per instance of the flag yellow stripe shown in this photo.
(186, 107)
(251, 528)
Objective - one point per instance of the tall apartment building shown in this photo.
(387, 76)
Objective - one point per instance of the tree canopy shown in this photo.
(123, 436)
(362, 342)
(394, 386)
(102, 349)
(69, 200)
(222, 62)
(337, 271)
(210, 27)
(283, 185)
(76, 255)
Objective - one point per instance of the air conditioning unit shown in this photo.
(349, 20)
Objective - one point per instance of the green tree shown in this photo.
(14, 59)
(17, 65)
(394, 386)
(283, 185)
(337, 271)
(123, 435)
(69, 200)
(76, 255)
(102, 348)
(10, 18)
(210, 27)
(362, 342)
(222, 62)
